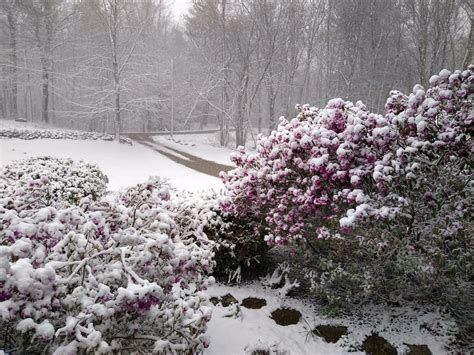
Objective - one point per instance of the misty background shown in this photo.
(234, 65)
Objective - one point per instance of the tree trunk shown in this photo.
(224, 124)
(304, 89)
(220, 119)
(45, 49)
(259, 112)
(239, 127)
(271, 110)
(2, 100)
(45, 90)
(113, 28)
(117, 121)
(11, 18)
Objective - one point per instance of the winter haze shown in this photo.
(229, 177)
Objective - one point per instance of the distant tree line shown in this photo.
(125, 65)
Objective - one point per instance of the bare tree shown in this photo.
(316, 14)
(113, 12)
(468, 6)
(42, 16)
(11, 11)
(104, 65)
(429, 25)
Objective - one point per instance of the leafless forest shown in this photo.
(130, 66)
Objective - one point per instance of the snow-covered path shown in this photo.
(184, 158)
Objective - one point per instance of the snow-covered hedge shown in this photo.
(383, 202)
(43, 133)
(114, 275)
(63, 180)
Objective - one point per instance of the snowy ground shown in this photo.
(123, 164)
(246, 329)
(253, 329)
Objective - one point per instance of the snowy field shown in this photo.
(123, 164)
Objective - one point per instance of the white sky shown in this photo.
(180, 7)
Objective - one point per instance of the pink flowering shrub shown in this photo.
(113, 275)
(383, 202)
(305, 177)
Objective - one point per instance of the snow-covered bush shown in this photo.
(305, 176)
(383, 202)
(114, 275)
(424, 250)
(48, 133)
(63, 180)
(234, 246)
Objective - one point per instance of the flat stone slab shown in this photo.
(419, 350)
(214, 300)
(286, 316)
(330, 333)
(254, 303)
(376, 345)
(227, 300)
(224, 301)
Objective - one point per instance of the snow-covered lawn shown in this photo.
(123, 164)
